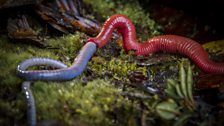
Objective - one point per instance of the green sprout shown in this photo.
(182, 89)
(180, 94)
(168, 109)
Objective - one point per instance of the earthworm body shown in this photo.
(31, 109)
(76, 69)
(30, 102)
(165, 43)
(59, 74)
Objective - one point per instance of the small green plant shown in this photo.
(179, 92)
(182, 89)
(168, 109)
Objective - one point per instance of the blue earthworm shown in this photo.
(31, 109)
(65, 73)
(30, 102)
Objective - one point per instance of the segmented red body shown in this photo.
(165, 43)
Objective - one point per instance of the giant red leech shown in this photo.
(166, 43)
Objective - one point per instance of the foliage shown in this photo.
(182, 89)
(167, 109)
(180, 102)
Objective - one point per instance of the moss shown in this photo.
(12, 110)
(92, 103)
(215, 47)
(9, 59)
(160, 72)
(117, 67)
(132, 9)
(68, 46)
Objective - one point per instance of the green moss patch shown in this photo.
(92, 103)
